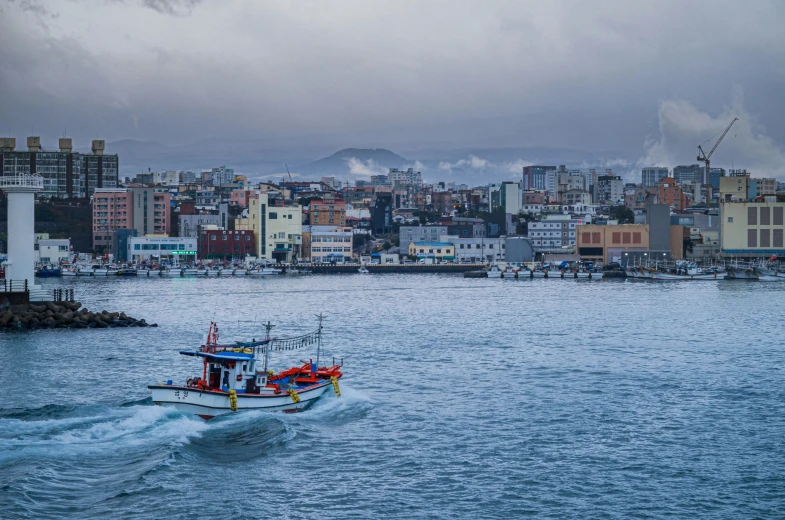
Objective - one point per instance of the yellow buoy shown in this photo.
(233, 400)
(337, 389)
(294, 396)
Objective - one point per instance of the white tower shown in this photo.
(20, 190)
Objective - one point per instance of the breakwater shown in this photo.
(64, 315)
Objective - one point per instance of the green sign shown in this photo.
(183, 252)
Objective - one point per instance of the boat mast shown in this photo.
(321, 318)
(267, 327)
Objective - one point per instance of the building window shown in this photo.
(752, 236)
(777, 235)
(616, 237)
(752, 216)
(765, 218)
(273, 215)
(778, 215)
(730, 220)
(595, 238)
(224, 238)
(764, 235)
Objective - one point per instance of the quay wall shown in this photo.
(396, 268)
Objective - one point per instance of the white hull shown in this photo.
(538, 274)
(172, 273)
(67, 273)
(240, 272)
(142, 272)
(741, 275)
(190, 272)
(84, 273)
(582, 274)
(209, 404)
(669, 276)
(212, 273)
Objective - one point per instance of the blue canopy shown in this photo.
(220, 356)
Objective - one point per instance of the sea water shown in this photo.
(462, 398)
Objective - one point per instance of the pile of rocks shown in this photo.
(63, 315)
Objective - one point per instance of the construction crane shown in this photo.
(704, 157)
(292, 180)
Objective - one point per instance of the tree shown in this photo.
(625, 216)
(387, 245)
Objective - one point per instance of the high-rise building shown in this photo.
(506, 195)
(534, 177)
(652, 175)
(608, 188)
(407, 177)
(688, 173)
(66, 174)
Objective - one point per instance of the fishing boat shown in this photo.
(240, 271)
(236, 377)
(68, 271)
(263, 271)
(510, 271)
(494, 272)
(768, 275)
(189, 271)
(48, 271)
(740, 273)
(172, 272)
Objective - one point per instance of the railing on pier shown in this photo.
(36, 294)
(17, 286)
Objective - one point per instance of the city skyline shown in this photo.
(645, 83)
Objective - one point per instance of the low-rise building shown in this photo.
(603, 243)
(434, 250)
(190, 224)
(328, 246)
(221, 243)
(752, 229)
(554, 232)
(161, 248)
(481, 249)
(331, 213)
(52, 250)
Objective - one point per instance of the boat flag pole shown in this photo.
(321, 318)
(267, 327)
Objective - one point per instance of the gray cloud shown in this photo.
(401, 74)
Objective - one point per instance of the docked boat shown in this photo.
(363, 270)
(189, 271)
(240, 271)
(494, 272)
(236, 377)
(68, 271)
(263, 271)
(738, 273)
(540, 273)
(48, 272)
(768, 275)
(172, 272)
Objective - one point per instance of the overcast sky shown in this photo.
(649, 80)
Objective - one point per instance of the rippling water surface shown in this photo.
(462, 398)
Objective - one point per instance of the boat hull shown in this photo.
(208, 403)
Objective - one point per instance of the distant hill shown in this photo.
(378, 160)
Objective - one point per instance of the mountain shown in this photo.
(354, 161)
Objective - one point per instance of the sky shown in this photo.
(646, 81)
